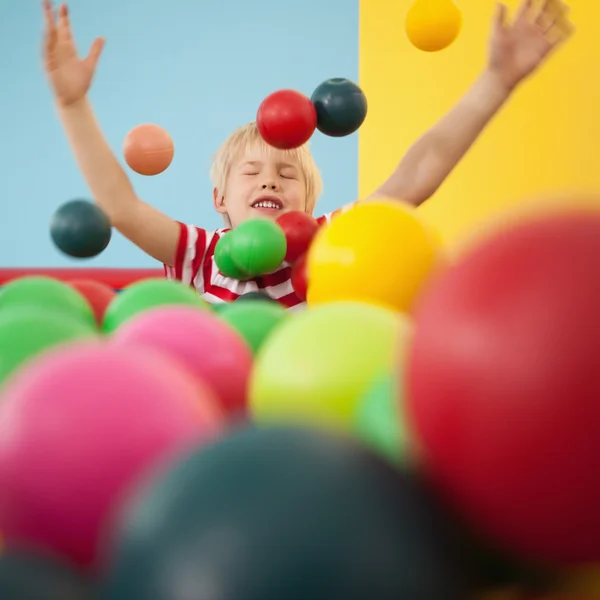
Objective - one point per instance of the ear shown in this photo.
(219, 202)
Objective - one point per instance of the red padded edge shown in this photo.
(114, 278)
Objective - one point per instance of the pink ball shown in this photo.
(78, 428)
(198, 339)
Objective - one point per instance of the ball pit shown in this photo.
(433, 436)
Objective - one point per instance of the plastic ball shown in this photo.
(28, 332)
(201, 342)
(257, 247)
(223, 258)
(316, 366)
(256, 297)
(285, 514)
(503, 386)
(98, 295)
(299, 277)
(80, 426)
(147, 294)
(254, 321)
(27, 575)
(378, 252)
(286, 119)
(341, 107)
(299, 229)
(46, 294)
(148, 149)
(432, 25)
(378, 422)
(80, 229)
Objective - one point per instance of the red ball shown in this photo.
(98, 295)
(503, 387)
(286, 119)
(299, 229)
(300, 278)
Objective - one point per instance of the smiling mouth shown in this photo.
(268, 202)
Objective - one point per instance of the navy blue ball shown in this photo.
(80, 229)
(341, 107)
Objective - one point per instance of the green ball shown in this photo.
(378, 420)
(223, 258)
(284, 514)
(28, 331)
(148, 294)
(317, 366)
(48, 294)
(258, 247)
(254, 321)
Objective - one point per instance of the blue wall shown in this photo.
(199, 68)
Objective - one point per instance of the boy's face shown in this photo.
(262, 183)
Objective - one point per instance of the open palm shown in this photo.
(69, 75)
(518, 49)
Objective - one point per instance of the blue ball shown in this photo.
(80, 229)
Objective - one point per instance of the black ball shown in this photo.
(341, 107)
(80, 229)
(28, 576)
(282, 513)
(256, 296)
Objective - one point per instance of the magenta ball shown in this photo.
(78, 428)
(209, 348)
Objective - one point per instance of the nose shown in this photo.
(270, 186)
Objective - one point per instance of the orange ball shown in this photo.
(148, 149)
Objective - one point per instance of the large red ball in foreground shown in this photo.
(299, 229)
(286, 119)
(504, 387)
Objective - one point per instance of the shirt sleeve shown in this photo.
(191, 250)
(328, 217)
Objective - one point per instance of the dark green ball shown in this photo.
(80, 229)
(256, 296)
(28, 576)
(341, 107)
(283, 513)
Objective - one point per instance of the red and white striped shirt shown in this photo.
(195, 265)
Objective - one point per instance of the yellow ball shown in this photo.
(432, 25)
(379, 252)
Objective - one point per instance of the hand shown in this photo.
(69, 75)
(518, 49)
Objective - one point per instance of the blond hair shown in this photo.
(247, 136)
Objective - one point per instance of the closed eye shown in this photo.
(250, 173)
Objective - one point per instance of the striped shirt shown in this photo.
(195, 266)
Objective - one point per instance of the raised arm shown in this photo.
(516, 51)
(70, 78)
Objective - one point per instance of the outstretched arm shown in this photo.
(70, 78)
(516, 51)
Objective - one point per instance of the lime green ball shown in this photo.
(28, 331)
(147, 294)
(258, 247)
(48, 294)
(254, 321)
(223, 258)
(316, 367)
(378, 420)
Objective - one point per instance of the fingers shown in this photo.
(94, 54)
(64, 24)
(524, 11)
(499, 22)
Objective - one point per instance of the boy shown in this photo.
(254, 180)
